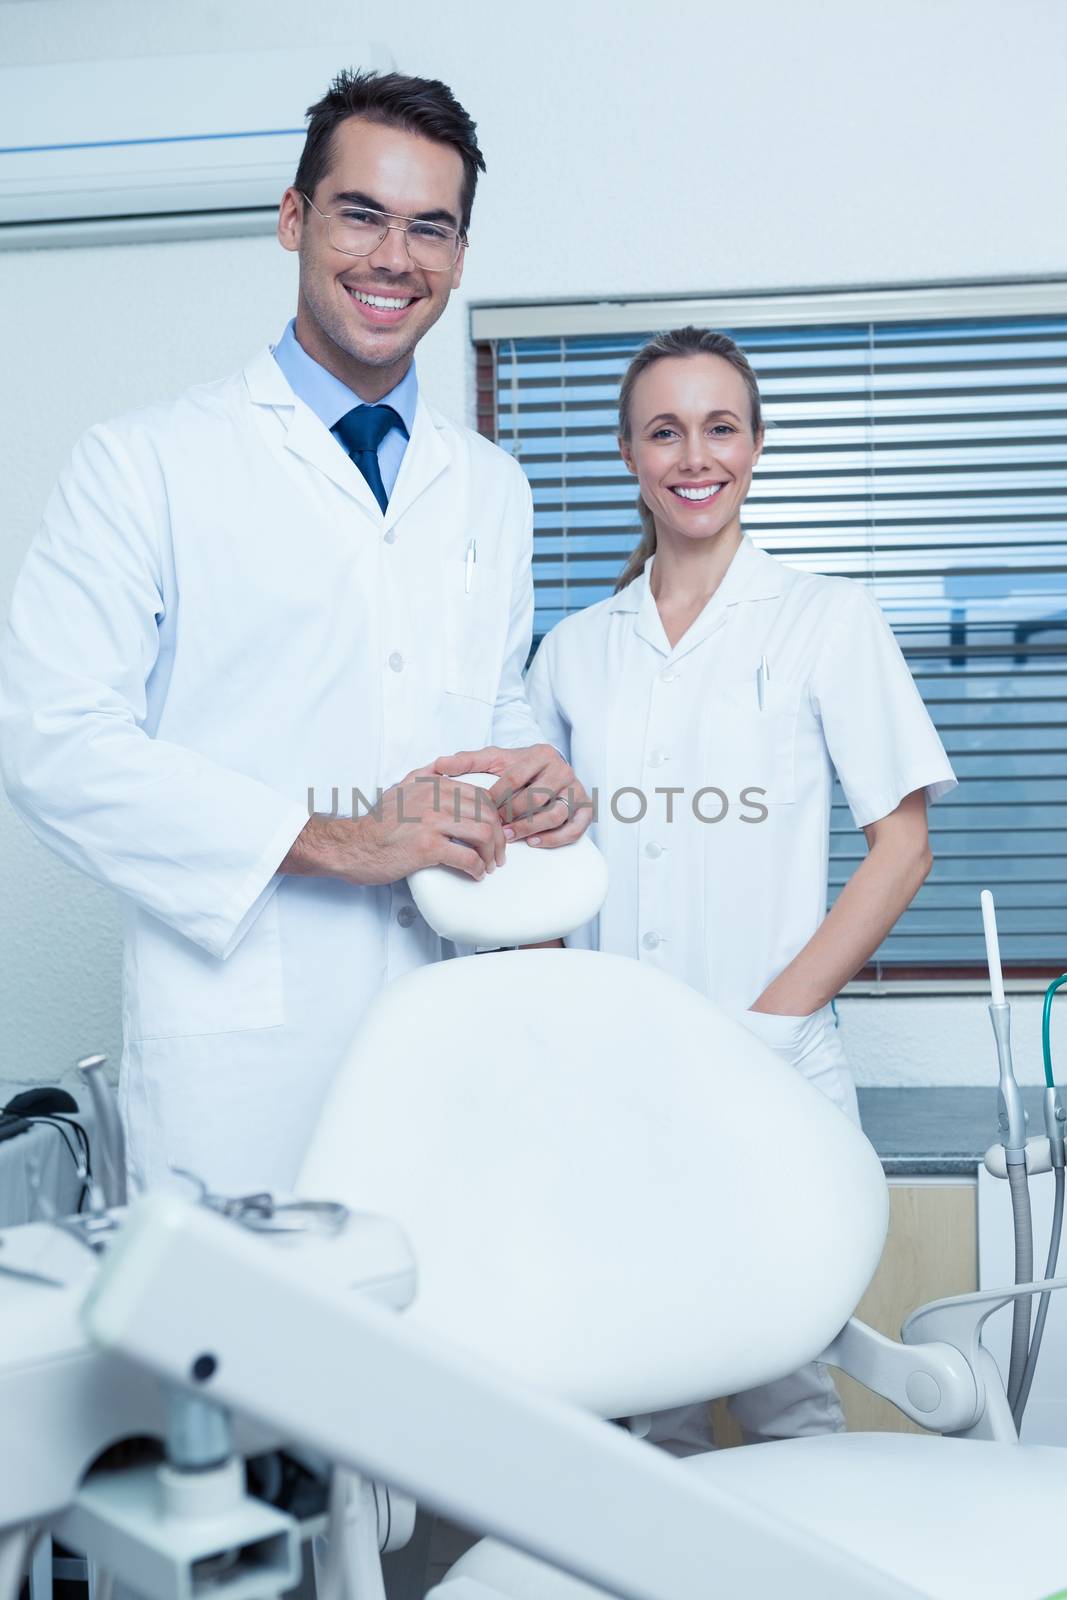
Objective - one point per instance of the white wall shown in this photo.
(691, 149)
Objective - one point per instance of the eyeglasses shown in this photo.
(357, 231)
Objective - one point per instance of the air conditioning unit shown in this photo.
(157, 147)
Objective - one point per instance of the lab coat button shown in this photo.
(669, 675)
(657, 758)
(653, 850)
(651, 941)
(390, 536)
(396, 661)
(406, 916)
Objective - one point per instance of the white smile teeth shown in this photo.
(698, 494)
(379, 301)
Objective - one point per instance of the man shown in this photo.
(281, 593)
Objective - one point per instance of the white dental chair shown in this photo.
(619, 1196)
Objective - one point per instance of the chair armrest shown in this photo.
(931, 1383)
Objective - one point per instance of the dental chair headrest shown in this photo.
(537, 894)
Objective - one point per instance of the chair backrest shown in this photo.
(537, 894)
(612, 1189)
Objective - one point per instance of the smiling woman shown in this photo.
(715, 670)
(743, 426)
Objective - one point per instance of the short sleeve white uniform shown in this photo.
(724, 880)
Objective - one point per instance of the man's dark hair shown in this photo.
(392, 99)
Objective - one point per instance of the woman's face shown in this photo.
(691, 446)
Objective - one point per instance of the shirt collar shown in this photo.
(327, 396)
(751, 575)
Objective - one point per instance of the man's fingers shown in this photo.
(464, 860)
(482, 835)
(485, 760)
(526, 802)
(452, 766)
(465, 800)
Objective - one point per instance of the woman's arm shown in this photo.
(880, 889)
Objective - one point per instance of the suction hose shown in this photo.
(1024, 1273)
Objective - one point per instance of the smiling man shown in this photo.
(253, 619)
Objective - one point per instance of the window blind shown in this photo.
(925, 458)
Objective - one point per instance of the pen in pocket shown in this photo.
(763, 678)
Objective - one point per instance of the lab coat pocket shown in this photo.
(749, 751)
(174, 989)
(476, 602)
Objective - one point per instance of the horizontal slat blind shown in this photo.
(926, 459)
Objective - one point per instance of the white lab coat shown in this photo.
(727, 902)
(215, 618)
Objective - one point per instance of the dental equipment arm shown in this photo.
(1013, 1121)
(201, 1302)
(111, 1142)
(1055, 1117)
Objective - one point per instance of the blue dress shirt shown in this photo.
(330, 399)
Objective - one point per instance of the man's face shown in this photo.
(386, 170)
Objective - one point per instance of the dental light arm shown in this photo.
(200, 1301)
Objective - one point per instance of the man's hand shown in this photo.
(425, 820)
(538, 795)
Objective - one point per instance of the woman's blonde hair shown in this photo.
(679, 342)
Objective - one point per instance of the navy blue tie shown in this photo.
(361, 431)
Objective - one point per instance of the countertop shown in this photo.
(937, 1131)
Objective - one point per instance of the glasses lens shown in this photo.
(357, 233)
(432, 247)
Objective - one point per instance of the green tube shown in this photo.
(1046, 1024)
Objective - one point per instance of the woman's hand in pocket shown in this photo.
(791, 1037)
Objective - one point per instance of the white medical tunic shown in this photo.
(216, 625)
(714, 813)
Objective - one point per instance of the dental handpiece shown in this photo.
(1012, 1116)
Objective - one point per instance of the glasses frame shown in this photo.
(398, 225)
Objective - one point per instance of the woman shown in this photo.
(709, 701)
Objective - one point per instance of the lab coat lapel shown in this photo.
(710, 620)
(305, 435)
(425, 458)
(313, 442)
(648, 624)
(751, 575)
